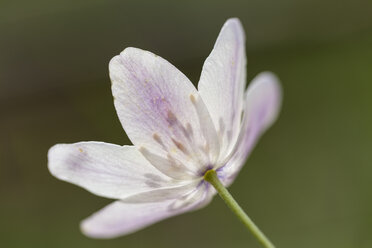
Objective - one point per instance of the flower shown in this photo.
(178, 134)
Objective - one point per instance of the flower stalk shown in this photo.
(211, 177)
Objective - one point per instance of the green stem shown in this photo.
(211, 177)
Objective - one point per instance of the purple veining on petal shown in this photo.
(155, 101)
(161, 109)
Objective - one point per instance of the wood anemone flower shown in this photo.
(179, 133)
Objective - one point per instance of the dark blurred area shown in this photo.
(308, 182)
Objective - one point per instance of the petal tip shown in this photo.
(52, 156)
(129, 50)
(271, 78)
(118, 58)
(268, 84)
(84, 229)
(233, 21)
(88, 231)
(133, 52)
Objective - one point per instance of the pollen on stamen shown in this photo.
(206, 148)
(192, 99)
(180, 146)
(81, 150)
(157, 138)
(142, 149)
(185, 132)
(171, 118)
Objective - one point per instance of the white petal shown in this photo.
(263, 101)
(108, 170)
(222, 83)
(158, 195)
(161, 110)
(120, 218)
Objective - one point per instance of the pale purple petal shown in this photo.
(263, 101)
(120, 218)
(108, 170)
(222, 83)
(161, 110)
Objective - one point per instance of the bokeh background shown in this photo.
(308, 182)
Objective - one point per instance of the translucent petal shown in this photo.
(222, 83)
(161, 110)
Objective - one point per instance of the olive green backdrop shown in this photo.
(307, 183)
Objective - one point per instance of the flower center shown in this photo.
(208, 173)
(207, 170)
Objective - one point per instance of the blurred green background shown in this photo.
(308, 182)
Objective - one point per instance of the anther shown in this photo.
(192, 99)
(171, 118)
(180, 146)
(157, 138)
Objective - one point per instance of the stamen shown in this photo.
(201, 112)
(209, 141)
(165, 165)
(171, 118)
(189, 129)
(185, 132)
(180, 147)
(174, 162)
(157, 138)
(192, 98)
